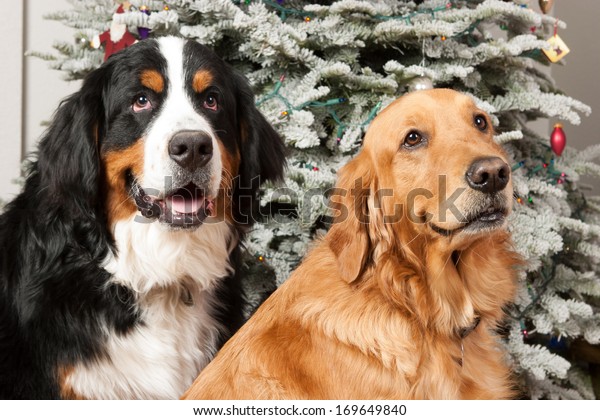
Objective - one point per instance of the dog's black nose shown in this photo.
(191, 149)
(488, 175)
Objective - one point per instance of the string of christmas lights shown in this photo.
(547, 274)
(328, 104)
(290, 11)
(552, 175)
(407, 18)
(284, 12)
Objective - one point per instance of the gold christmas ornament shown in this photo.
(546, 5)
(558, 49)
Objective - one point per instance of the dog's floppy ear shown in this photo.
(262, 149)
(68, 159)
(348, 237)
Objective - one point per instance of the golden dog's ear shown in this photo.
(348, 237)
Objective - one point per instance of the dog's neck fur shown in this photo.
(450, 301)
(149, 256)
(459, 288)
(455, 279)
(177, 334)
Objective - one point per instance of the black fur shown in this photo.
(54, 294)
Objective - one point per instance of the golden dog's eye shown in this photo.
(480, 122)
(412, 139)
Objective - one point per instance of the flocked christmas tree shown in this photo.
(323, 69)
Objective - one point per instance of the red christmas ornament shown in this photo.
(558, 140)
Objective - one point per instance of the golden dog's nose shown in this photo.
(488, 175)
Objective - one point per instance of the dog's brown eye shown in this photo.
(481, 122)
(211, 102)
(412, 139)
(141, 103)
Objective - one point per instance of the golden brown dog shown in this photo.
(402, 297)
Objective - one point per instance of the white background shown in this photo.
(31, 91)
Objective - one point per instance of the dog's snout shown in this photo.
(191, 149)
(488, 175)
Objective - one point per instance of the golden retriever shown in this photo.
(402, 297)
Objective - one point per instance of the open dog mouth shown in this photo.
(184, 207)
(492, 217)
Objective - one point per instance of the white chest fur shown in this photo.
(176, 336)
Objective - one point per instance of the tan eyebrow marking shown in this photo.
(202, 80)
(152, 79)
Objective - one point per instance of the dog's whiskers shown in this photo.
(412, 240)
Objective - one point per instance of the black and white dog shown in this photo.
(119, 259)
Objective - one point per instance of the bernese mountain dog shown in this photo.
(119, 259)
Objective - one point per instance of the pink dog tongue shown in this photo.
(186, 204)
